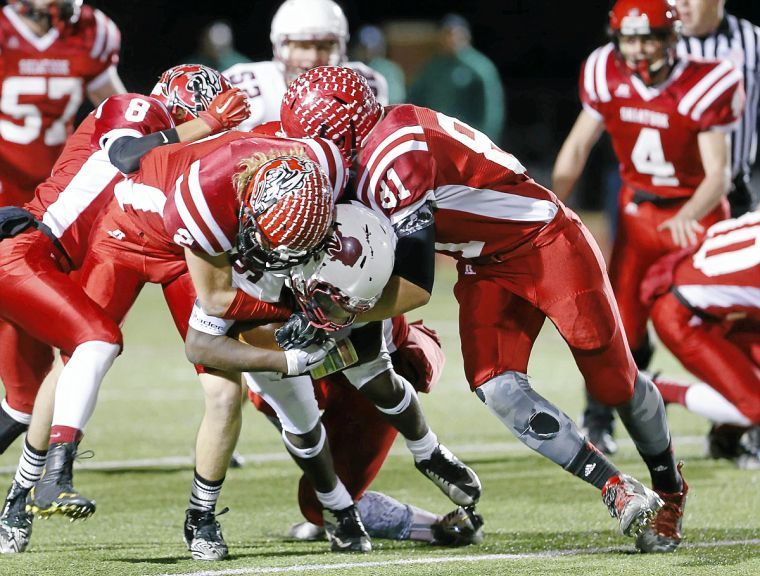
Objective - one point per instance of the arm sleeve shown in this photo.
(415, 250)
(126, 152)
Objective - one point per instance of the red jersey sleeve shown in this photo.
(728, 107)
(593, 84)
(715, 97)
(128, 115)
(400, 173)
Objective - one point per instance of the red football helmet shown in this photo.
(60, 12)
(646, 18)
(331, 102)
(188, 89)
(642, 17)
(286, 214)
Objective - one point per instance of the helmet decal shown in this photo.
(344, 249)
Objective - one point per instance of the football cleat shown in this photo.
(306, 532)
(346, 531)
(460, 527)
(54, 493)
(15, 521)
(663, 534)
(455, 479)
(203, 535)
(632, 503)
(749, 450)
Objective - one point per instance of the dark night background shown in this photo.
(537, 45)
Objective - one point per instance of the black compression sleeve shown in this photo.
(415, 258)
(127, 151)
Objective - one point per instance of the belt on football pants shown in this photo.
(15, 220)
(698, 312)
(639, 196)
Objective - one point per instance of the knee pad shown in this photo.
(406, 400)
(306, 453)
(531, 418)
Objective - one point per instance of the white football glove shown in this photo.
(302, 360)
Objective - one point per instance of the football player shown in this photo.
(522, 256)
(304, 34)
(54, 53)
(58, 222)
(343, 287)
(705, 306)
(669, 120)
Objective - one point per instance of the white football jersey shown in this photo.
(264, 83)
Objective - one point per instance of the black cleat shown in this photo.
(460, 527)
(54, 493)
(455, 479)
(346, 531)
(203, 535)
(15, 521)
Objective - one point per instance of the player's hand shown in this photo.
(683, 229)
(301, 360)
(297, 332)
(227, 110)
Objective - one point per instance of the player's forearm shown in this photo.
(399, 296)
(567, 169)
(193, 130)
(707, 195)
(225, 353)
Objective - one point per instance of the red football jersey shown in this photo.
(723, 276)
(654, 129)
(43, 81)
(82, 181)
(485, 201)
(184, 195)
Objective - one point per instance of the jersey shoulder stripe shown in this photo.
(709, 84)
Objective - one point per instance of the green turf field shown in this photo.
(539, 519)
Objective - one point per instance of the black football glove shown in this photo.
(298, 333)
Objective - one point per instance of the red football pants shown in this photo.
(723, 356)
(637, 246)
(559, 275)
(43, 307)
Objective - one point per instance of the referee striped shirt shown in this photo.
(737, 40)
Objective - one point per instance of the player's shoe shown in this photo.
(203, 535)
(455, 479)
(54, 493)
(632, 503)
(749, 450)
(663, 534)
(346, 531)
(237, 460)
(306, 532)
(15, 521)
(460, 527)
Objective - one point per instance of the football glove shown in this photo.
(227, 110)
(297, 332)
(302, 360)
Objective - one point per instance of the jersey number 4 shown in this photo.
(14, 103)
(649, 158)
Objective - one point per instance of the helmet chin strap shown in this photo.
(646, 70)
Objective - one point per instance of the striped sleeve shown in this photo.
(593, 85)
(189, 213)
(399, 175)
(717, 99)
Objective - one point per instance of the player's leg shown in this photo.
(397, 400)
(306, 440)
(32, 295)
(24, 364)
(730, 389)
(583, 308)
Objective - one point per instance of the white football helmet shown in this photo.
(304, 20)
(349, 275)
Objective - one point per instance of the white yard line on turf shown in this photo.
(459, 449)
(445, 559)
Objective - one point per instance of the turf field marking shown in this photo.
(447, 559)
(460, 449)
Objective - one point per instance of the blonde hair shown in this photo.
(250, 165)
